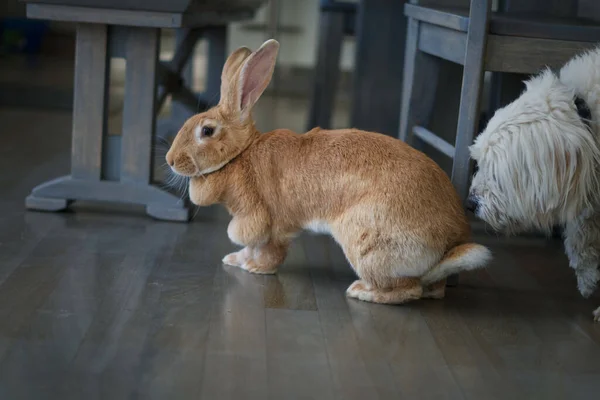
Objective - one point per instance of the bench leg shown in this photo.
(93, 174)
(89, 115)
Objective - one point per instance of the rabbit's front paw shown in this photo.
(238, 258)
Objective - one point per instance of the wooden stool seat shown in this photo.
(170, 6)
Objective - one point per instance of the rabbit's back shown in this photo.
(321, 174)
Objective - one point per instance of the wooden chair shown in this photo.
(481, 41)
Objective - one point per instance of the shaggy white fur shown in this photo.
(539, 164)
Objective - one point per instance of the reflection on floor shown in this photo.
(103, 302)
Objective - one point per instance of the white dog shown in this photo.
(539, 164)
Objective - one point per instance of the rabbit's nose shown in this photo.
(170, 159)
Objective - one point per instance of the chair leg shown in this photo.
(419, 86)
(468, 114)
(327, 71)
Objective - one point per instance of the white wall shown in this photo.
(297, 49)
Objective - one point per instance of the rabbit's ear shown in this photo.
(255, 76)
(229, 76)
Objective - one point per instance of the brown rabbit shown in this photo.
(391, 208)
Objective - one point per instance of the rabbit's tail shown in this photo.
(464, 257)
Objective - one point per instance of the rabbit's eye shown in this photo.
(207, 131)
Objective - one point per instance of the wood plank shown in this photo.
(236, 342)
(80, 189)
(549, 7)
(453, 18)
(139, 111)
(90, 101)
(437, 142)
(518, 21)
(292, 287)
(353, 377)
(400, 337)
(94, 15)
(296, 348)
(354, 370)
(529, 55)
(532, 25)
(141, 18)
(115, 344)
(181, 326)
(443, 42)
(290, 290)
(407, 119)
(419, 87)
(135, 5)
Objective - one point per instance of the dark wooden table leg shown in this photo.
(217, 54)
(381, 36)
(327, 71)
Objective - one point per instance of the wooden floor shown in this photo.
(107, 304)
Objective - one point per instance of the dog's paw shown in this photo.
(597, 314)
(587, 279)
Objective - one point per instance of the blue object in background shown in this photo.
(20, 35)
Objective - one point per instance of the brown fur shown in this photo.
(390, 207)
